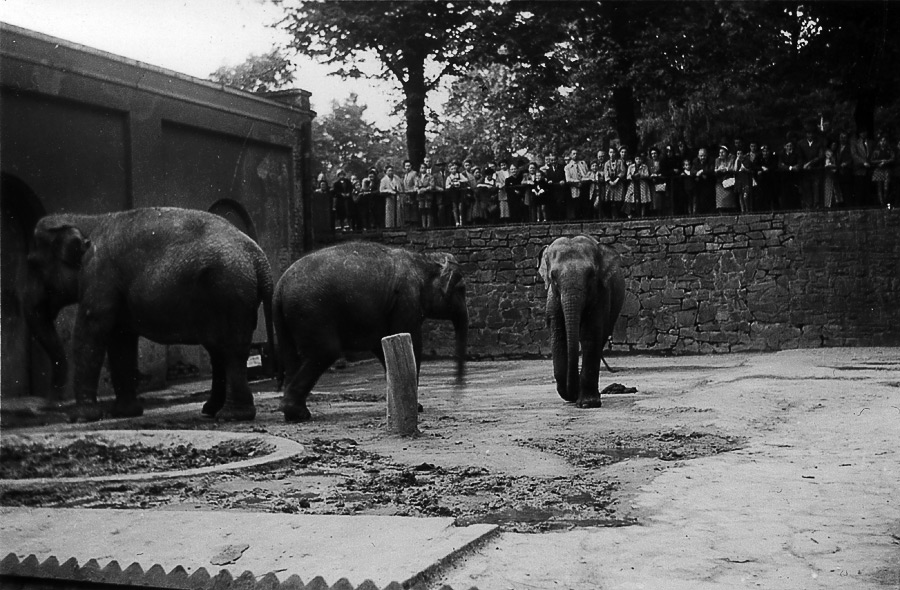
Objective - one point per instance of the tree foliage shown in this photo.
(259, 73)
(416, 44)
(343, 139)
(647, 73)
(531, 76)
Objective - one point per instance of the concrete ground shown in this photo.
(807, 496)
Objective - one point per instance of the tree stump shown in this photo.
(402, 384)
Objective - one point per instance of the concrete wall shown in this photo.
(695, 285)
(90, 132)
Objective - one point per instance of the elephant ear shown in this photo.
(544, 266)
(69, 244)
(450, 274)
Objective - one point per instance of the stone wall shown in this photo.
(695, 285)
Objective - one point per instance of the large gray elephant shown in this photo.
(348, 297)
(174, 276)
(585, 293)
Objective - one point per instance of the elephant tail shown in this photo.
(266, 291)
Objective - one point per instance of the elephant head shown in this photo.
(52, 282)
(585, 293)
(445, 299)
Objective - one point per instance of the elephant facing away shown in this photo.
(585, 293)
(174, 276)
(348, 297)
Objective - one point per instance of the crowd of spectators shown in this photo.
(809, 172)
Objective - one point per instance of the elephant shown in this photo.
(585, 293)
(349, 296)
(174, 276)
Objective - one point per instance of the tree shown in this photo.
(851, 47)
(343, 138)
(408, 39)
(260, 73)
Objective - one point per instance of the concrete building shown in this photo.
(89, 132)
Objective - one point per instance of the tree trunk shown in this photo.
(415, 91)
(864, 112)
(626, 117)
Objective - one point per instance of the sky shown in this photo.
(194, 37)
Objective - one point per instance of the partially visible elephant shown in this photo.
(585, 293)
(348, 297)
(174, 276)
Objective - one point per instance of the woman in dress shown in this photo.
(593, 181)
(743, 179)
(882, 162)
(514, 194)
(528, 183)
(614, 175)
(638, 194)
(831, 187)
(724, 169)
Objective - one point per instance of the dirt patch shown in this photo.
(340, 477)
(670, 445)
(96, 456)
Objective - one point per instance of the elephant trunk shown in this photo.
(40, 321)
(461, 327)
(572, 299)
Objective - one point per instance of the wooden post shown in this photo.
(402, 384)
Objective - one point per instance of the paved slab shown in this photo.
(378, 548)
(810, 501)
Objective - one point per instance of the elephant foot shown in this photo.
(86, 412)
(296, 412)
(235, 413)
(211, 408)
(563, 393)
(130, 409)
(589, 401)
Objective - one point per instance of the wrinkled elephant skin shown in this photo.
(348, 297)
(174, 276)
(585, 293)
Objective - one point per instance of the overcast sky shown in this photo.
(194, 37)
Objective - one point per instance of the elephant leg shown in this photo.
(90, 338)
(299, 384)
(123, 370)
(217, 392)
(238, 399)
(589, 394)
(560, 352)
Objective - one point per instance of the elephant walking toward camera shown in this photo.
(585, 293)
(348, 297)
(174, 276)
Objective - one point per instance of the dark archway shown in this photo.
(25, 368)
(236, 214)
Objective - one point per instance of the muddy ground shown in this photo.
(776, 470)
